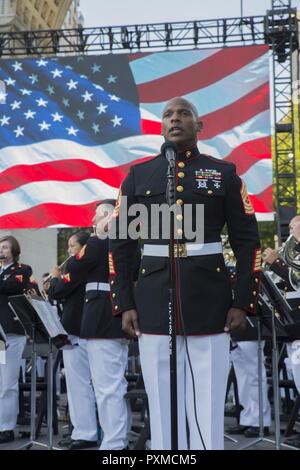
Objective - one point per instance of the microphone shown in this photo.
(2, 257)
(169, 151)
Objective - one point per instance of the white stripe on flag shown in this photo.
(33, 194)
(223, 92)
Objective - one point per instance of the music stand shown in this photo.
(276, 328)
(41, 325)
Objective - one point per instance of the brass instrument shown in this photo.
(291, 256)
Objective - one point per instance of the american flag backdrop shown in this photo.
(71, 127)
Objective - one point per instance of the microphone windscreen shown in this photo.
(168, 145)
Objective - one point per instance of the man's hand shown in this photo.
(130, 323)
(236, 320)
(270, 256)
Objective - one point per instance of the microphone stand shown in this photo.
(170, 196)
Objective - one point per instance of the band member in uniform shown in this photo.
(14, 280)
(208, 309)
(106, 345)
(69, 289)
(278, 266)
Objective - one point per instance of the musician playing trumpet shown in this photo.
(69, 289)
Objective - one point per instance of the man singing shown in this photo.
(203, 290)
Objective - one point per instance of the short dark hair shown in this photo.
(81, 237)
(14, 244)
(112, 202)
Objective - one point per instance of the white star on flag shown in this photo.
(57, 117)
(72, 84)
(44, 126)
(116, 120)
(72, 131)
(96, 128)
(24, 92)
(87, 96)
(29, 114)
(111, 79)
(33, 78)
(19, 131)
(42, 63)
(56, 73)
(101, 108)
(96, 68)
(17, 66)
(15, 105)
(41, 102)
(80, 115)
(66, 102)
(5, 120)
(10, 81)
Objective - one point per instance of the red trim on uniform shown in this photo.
(19, 277)
(66, 278)
(81, 253)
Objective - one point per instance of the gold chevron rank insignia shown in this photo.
(257, 260)
(248, 208)
(118, 204)
(111, 264)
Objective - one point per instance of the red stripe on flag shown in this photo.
(150, 127)
(224, 119)
(263, 202)
(44, 215)
(64, 170)
(137, 55)
(200, 75)
(245, 155)
(47, 214)
(236, 113)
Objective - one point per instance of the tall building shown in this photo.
(26, 15)
(39, 247)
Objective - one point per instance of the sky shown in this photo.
(127, 12)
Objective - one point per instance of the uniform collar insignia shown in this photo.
(188, 154)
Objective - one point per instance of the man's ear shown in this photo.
(199, 126)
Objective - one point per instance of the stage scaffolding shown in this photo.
(278, 28)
